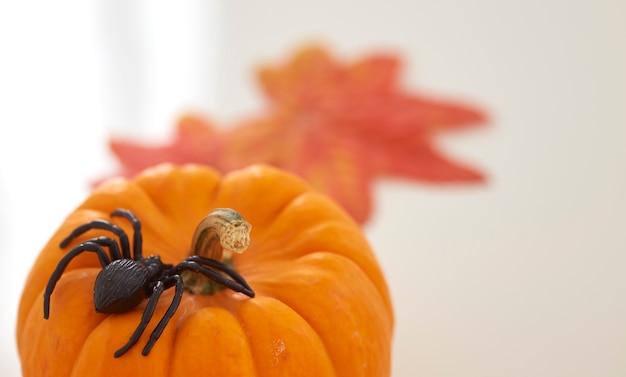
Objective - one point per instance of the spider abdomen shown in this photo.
(119, 286)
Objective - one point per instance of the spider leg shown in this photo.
(149, 312)
(224, 268)
(145, 318)
(205, 267)
(100, 224)
(58, 271)
(137, 237)
(111, 244)
(177, 281)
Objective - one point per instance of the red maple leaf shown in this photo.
(339, 126)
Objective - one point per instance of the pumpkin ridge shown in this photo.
(95, 343)
(242, 313)
(383, 295)
(262, 190)
(216, 327)
(75, 363)
(224, 300)
(193, 182)
(307, 242)
(263, 284)
(260, 280)
(129, 194)
(233, 309)
(316, 319)
(37, 323)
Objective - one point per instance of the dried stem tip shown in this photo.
(220, 234)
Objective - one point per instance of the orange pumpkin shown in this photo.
(322, 307)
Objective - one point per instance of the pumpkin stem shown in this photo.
(218, 235)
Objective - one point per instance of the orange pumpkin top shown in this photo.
(322, 307)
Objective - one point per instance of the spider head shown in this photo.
(119, 286)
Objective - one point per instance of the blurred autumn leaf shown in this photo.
(338, 125)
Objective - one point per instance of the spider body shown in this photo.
(127, 278)
(125, 283)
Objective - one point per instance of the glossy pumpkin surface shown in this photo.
(322, 307)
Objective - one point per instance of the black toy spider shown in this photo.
(125, 280)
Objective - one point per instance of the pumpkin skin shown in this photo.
(322, 306)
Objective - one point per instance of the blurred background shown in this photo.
(523, 276)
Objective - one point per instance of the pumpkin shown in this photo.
(322, 306)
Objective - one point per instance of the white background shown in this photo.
(522, 277)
